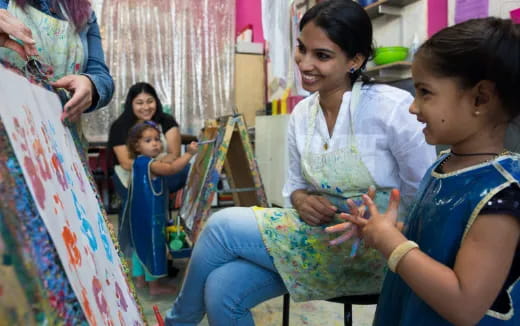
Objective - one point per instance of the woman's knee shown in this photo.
(228, 218)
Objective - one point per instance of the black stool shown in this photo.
(347, 301)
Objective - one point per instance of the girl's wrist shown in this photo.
(390, 239)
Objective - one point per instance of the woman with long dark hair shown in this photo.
(345, 137)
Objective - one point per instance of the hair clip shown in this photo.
(152, 123)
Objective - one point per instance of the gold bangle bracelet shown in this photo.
(399, 252)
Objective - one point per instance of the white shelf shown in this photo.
(391, 72)
(387, 7)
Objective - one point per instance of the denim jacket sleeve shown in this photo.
(96, 69)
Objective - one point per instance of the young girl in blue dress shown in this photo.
(457, 261)
(142, 229)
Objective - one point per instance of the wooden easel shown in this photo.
(224, 143)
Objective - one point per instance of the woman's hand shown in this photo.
(193, 148)
(82, 90)
(380, 226)
(11, 26)
(313, 209)
(350, 230)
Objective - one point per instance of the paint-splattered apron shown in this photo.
(309, 267)
(57, 42)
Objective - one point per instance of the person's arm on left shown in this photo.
(94, 87)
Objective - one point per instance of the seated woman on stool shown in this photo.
(343, 138)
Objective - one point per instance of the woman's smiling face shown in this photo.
(322, 63)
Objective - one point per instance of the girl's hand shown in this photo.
(350, 230)
(315, 210)
(193, 148)
(379, 226)
(11, 26)
(82, 90)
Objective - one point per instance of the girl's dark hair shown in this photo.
(347, 24)
(78, 10)
(475, 50)
(135, 133)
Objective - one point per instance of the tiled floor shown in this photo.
(313, 313)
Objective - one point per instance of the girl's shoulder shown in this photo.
(142, 160)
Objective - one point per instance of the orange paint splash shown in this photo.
(41, 160)
(70, 240)
(86, 308)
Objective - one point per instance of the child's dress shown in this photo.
(446, 207)
(142, 228)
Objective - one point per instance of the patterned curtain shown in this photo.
(184, 48)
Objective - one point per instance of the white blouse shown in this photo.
(389, 139)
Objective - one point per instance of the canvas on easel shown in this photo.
(224, 145)
(59, 260)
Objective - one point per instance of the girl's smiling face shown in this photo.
(446, 109)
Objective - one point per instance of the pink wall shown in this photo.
(250, 12)
(437, 15)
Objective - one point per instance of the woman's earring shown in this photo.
(477, 112)
(352, 70)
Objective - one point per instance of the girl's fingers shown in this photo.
(344, 237)
(393, 205)
(338, 227)
(354, 209)
(356, 219)
(371, 192)
(372, 208)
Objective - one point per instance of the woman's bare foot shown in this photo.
(140, 282)
(156, 288)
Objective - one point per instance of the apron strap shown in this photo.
(354, 103)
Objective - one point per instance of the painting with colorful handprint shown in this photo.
(55, 197)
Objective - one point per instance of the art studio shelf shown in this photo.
(387, 7)
(390, 72)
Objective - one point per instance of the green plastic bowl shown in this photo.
(389, 54)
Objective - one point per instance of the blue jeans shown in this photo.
(230, 272)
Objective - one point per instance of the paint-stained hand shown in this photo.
(379, 225)
(82, 91)
(10, 26)
(350, 230)
(315, 210)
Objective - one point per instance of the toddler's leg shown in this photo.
(229, 234)
(236, 287)
(137, 271)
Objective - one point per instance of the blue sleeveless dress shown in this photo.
(144, 219)
(446, 207)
